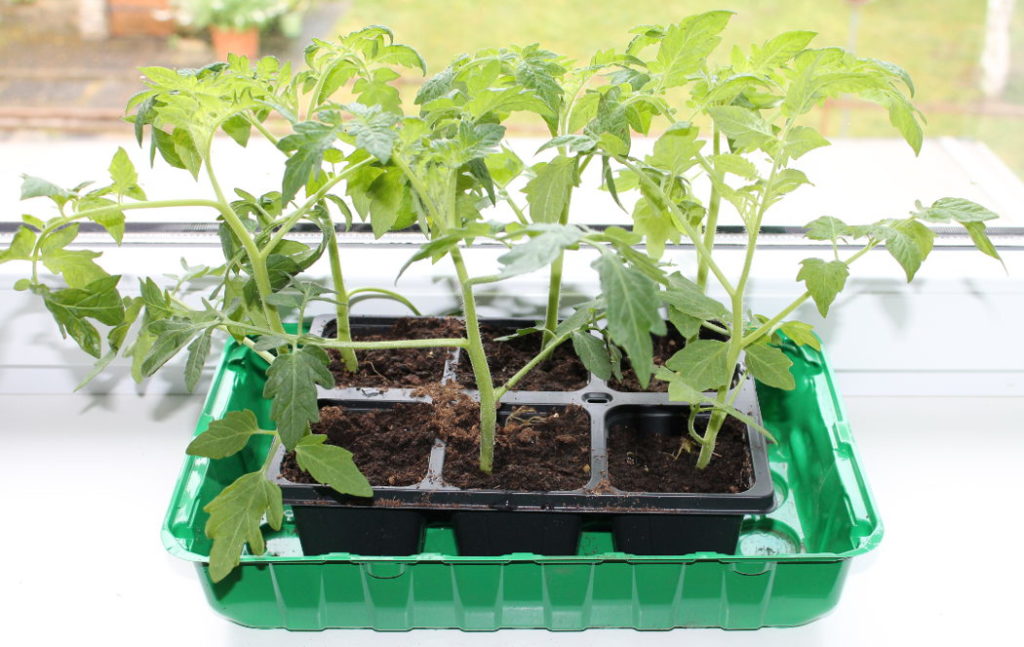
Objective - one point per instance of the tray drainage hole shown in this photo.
(597, 398)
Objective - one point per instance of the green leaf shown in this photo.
(21, 246)
(686, 325)
(372, 128)
(306, 145)
(655, 225)
(824, 280)
(503, 166)
(780, 49)
(385, 200)
(593, 353)
(122, 173)
(689, 299)
(770, 366)
(98, 300)
(171, 335)
(291, 383)
(235, 516)
(956, 210)
(801, 333)
(909, 242)
(226, 436)
(34, 187)
(801, 140)
(197, 353)
(238, 128)
(746, 128)
(539, 251)
(676, 150)
(633, 312)
(77, 267)
(735, 164)
(574, 143)
(185, 151)
(901, 115)
(702, 363)
(976, 230)
(548, 192)
(827, 228)
(686, 45)
(331, 465)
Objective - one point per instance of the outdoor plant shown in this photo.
(233, 14)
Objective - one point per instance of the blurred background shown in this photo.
(67, 67)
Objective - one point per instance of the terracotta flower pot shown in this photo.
(226, 41)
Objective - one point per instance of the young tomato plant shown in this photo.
(261, 280)
(753, 107)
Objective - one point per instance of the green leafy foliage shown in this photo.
(540, 250)
(702, 364)
(226, 436)
(235, 517)
(770, 366)
(548, 192)
(593, 353)
(291, 385)
(632, 312)
(824, 280)
(331, 465)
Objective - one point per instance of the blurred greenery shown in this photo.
(938, 41)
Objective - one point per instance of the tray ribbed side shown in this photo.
(789, 568)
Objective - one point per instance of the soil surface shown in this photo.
(390, 446)
(401, 367)
(642, 461)
(563, 371)
(536, 450)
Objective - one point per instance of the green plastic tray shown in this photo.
(789, 570)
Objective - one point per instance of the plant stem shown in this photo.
(707, 441)
(260, 274)
(540, 357)
(679, 219)
(258, 125)
(269, 358)
(554, 298)
(481, 371)
(711, 226)
(769, 325)
(310, 202)
(344, 328)
(271, 452)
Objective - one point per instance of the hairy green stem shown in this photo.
(537, 359)
(260, 274)
(711, 226)
(481, 371)
(768, 326)
(344, 328)
(268, 357)
(680, 221)
(304, 208)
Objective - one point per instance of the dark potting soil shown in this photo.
(401, 367)
(563, 371)
(390, 446)
(642, 461)
(535, 451)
